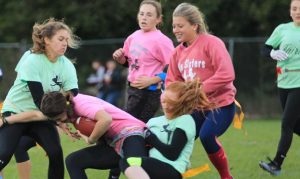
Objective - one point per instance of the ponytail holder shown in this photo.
(68, 103)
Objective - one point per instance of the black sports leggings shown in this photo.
(102, 156)
(142, 103)
(290, 102)
(44, 133)
(21, 154)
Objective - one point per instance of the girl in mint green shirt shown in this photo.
(171, 137)
(42, 69)
(284, 47)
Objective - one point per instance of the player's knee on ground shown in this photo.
(129, 162)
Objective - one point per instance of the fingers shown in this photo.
(72, 135)
(67, 130)
(118, 54)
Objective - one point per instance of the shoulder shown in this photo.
(83, 97)
(284, 26)
(211, 39)
(30, 58)
(86, 101)
(186, 118)
(186, 123)
(135, 33)
(155, 120)
(65, 61)
(158, 35)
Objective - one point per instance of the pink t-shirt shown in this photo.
(88, 106)
(147, 53)
(208, 59)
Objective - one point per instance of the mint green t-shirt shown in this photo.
(287, 37)
(164, 129)
(57, 76)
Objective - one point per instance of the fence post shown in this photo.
(231, 47)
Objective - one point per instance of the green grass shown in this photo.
(244, 149)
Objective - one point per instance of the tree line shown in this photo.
(97, 19)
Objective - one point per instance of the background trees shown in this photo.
(103, 24)
(94, 19)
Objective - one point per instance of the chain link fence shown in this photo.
(255, 73)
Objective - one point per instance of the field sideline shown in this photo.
(244, 149)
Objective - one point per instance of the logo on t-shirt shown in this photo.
(165, 129)
(135, 65)
(57, 82)
(186, 68)
(291, 49)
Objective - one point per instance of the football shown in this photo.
(84, 125)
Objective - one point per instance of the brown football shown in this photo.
(84, 125)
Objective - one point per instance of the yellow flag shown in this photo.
(195, 171)
(238, 116)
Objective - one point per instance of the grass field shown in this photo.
(244, 149)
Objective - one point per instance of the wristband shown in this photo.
(162, 76)
(4, 121)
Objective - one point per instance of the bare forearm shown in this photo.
(103, 124)
(100, 128)
(26, 117)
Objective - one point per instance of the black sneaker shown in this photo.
(270, 167)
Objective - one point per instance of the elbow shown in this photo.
(232, 77)
(173, 156)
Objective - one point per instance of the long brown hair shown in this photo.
(190, 96)
(48, 29)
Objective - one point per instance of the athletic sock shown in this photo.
(219, 160)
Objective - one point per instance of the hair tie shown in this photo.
(68, 103)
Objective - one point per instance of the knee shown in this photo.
(129, 162)
(70, 159)
(205, 137)
(4, 159)
(55, 153)
(123, 165)
(5, 154)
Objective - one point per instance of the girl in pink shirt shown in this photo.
(145, 52)
(204, 56)
(123, 134)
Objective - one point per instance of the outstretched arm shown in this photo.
(23, 117)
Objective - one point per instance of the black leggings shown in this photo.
(44, 133)
(21, 154)
(142, 103)
(155, 168)
(290, 102)
(102, 156)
